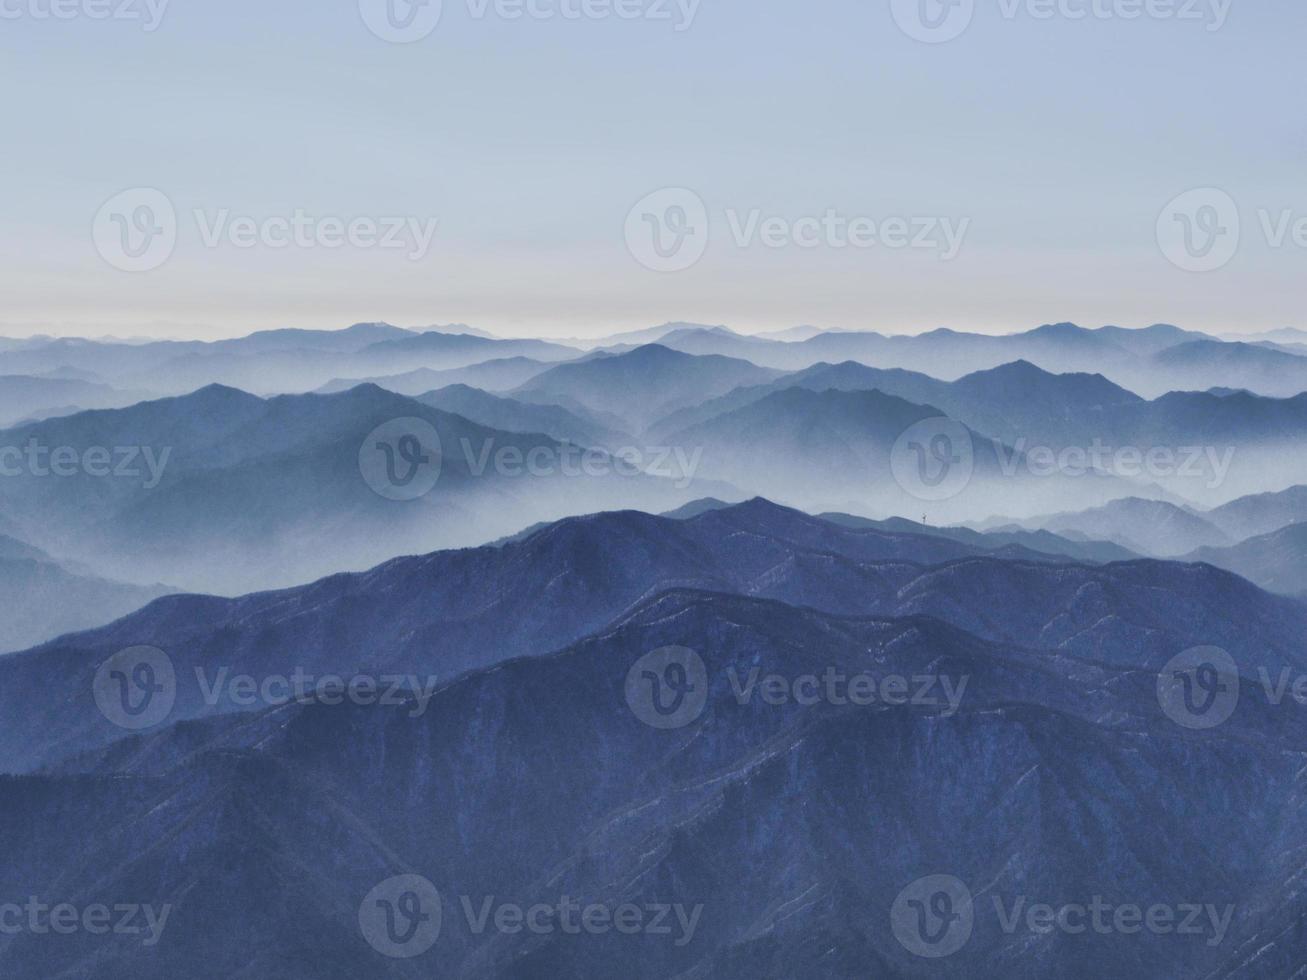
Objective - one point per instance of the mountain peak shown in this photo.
(654, 351)
(218, 394)
(1017, 369)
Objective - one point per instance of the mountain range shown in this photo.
(276, 361)
(790, 827)
(1150, 361)
(1231, 536)
(245, 492)
(583, 624)
(567, 580)
(24, 398)
(641, 385)
(43, 599)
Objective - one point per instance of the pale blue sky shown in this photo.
(1059, 140)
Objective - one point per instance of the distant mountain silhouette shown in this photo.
(998, 539)
(495, 375)
(1149, 361)
(23, 397)
(792, 333)
(43, 599)
(848, 376)
(1012, 402)
(641, 385)
(637, 338)
(1276, 561)
(1235, 365)
(823, 450)
(261, 493)
(1260, 513)
(278, 361)
(1152, 527)
(696, 507)
(509, 415)
(1212, 445)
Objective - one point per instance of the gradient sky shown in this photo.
(1061, 140)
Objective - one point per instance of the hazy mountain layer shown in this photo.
(1276, 561)
(231, 492)
(451, 612)
(642, 385)
(43, 599)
